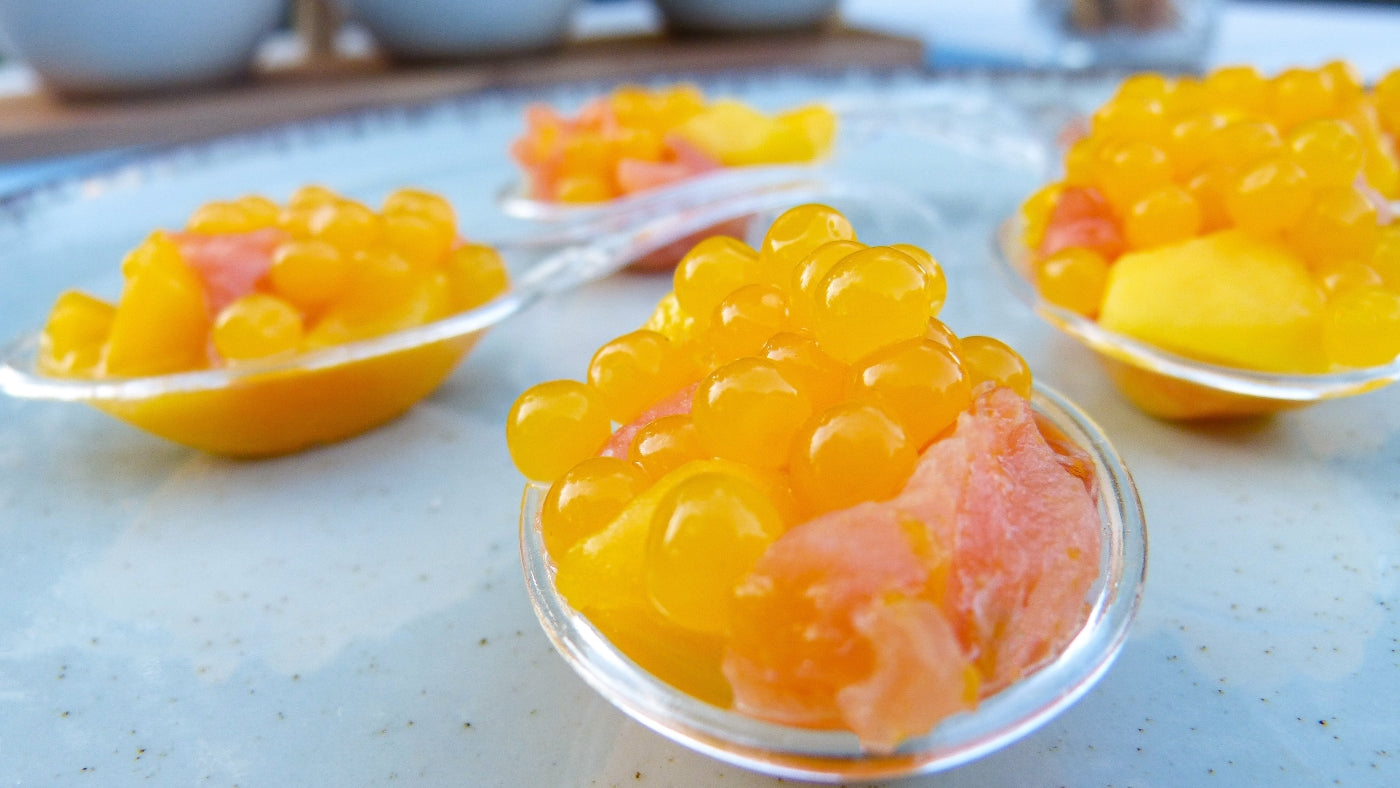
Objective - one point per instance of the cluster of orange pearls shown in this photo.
(1307, 158)
(818, 363)
(320, 270)
(346, 271)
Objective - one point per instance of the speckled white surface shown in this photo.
(355, 615)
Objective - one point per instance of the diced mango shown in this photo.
(1228, 298)
(387, 294)
(605, 571)
(737, 135)
(637, 139)
(74, 335)
(157, 248)
(688, 661)
(817, 125)
(161, 324)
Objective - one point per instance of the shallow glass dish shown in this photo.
(835, 756)
(1172, 386)
(967, 122)
(285, 404)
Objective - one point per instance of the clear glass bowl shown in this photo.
(281, 405)
(1171, 386)
(835, 756)
(943, 121)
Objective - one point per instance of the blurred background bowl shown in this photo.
(102, 47)
(447, 29)
(745, 16)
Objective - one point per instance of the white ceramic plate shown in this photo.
(355, 615)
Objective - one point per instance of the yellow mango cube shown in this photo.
(77, 328)
(605, 571)
(1228, 298)
(387, 294)
(733, 133)
(816, 124)
(161, 324)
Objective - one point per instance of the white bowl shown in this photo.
(745, 16)
(100, 47)
(442, 29)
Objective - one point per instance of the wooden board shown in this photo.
(40, 124)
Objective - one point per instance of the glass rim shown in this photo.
(19, 375)
(1013, 262)
(515, 202)
(835, 756)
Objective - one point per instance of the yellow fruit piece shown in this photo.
(817, 125)
(607, 571)
(1228, 298)
(1240, 87)
(161, 323)
(1126, 173)
(688, 661)
(737, 135)
(386, 294)
(157, 248)
(71, 344)
(1341, 223)
(1363, 327)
